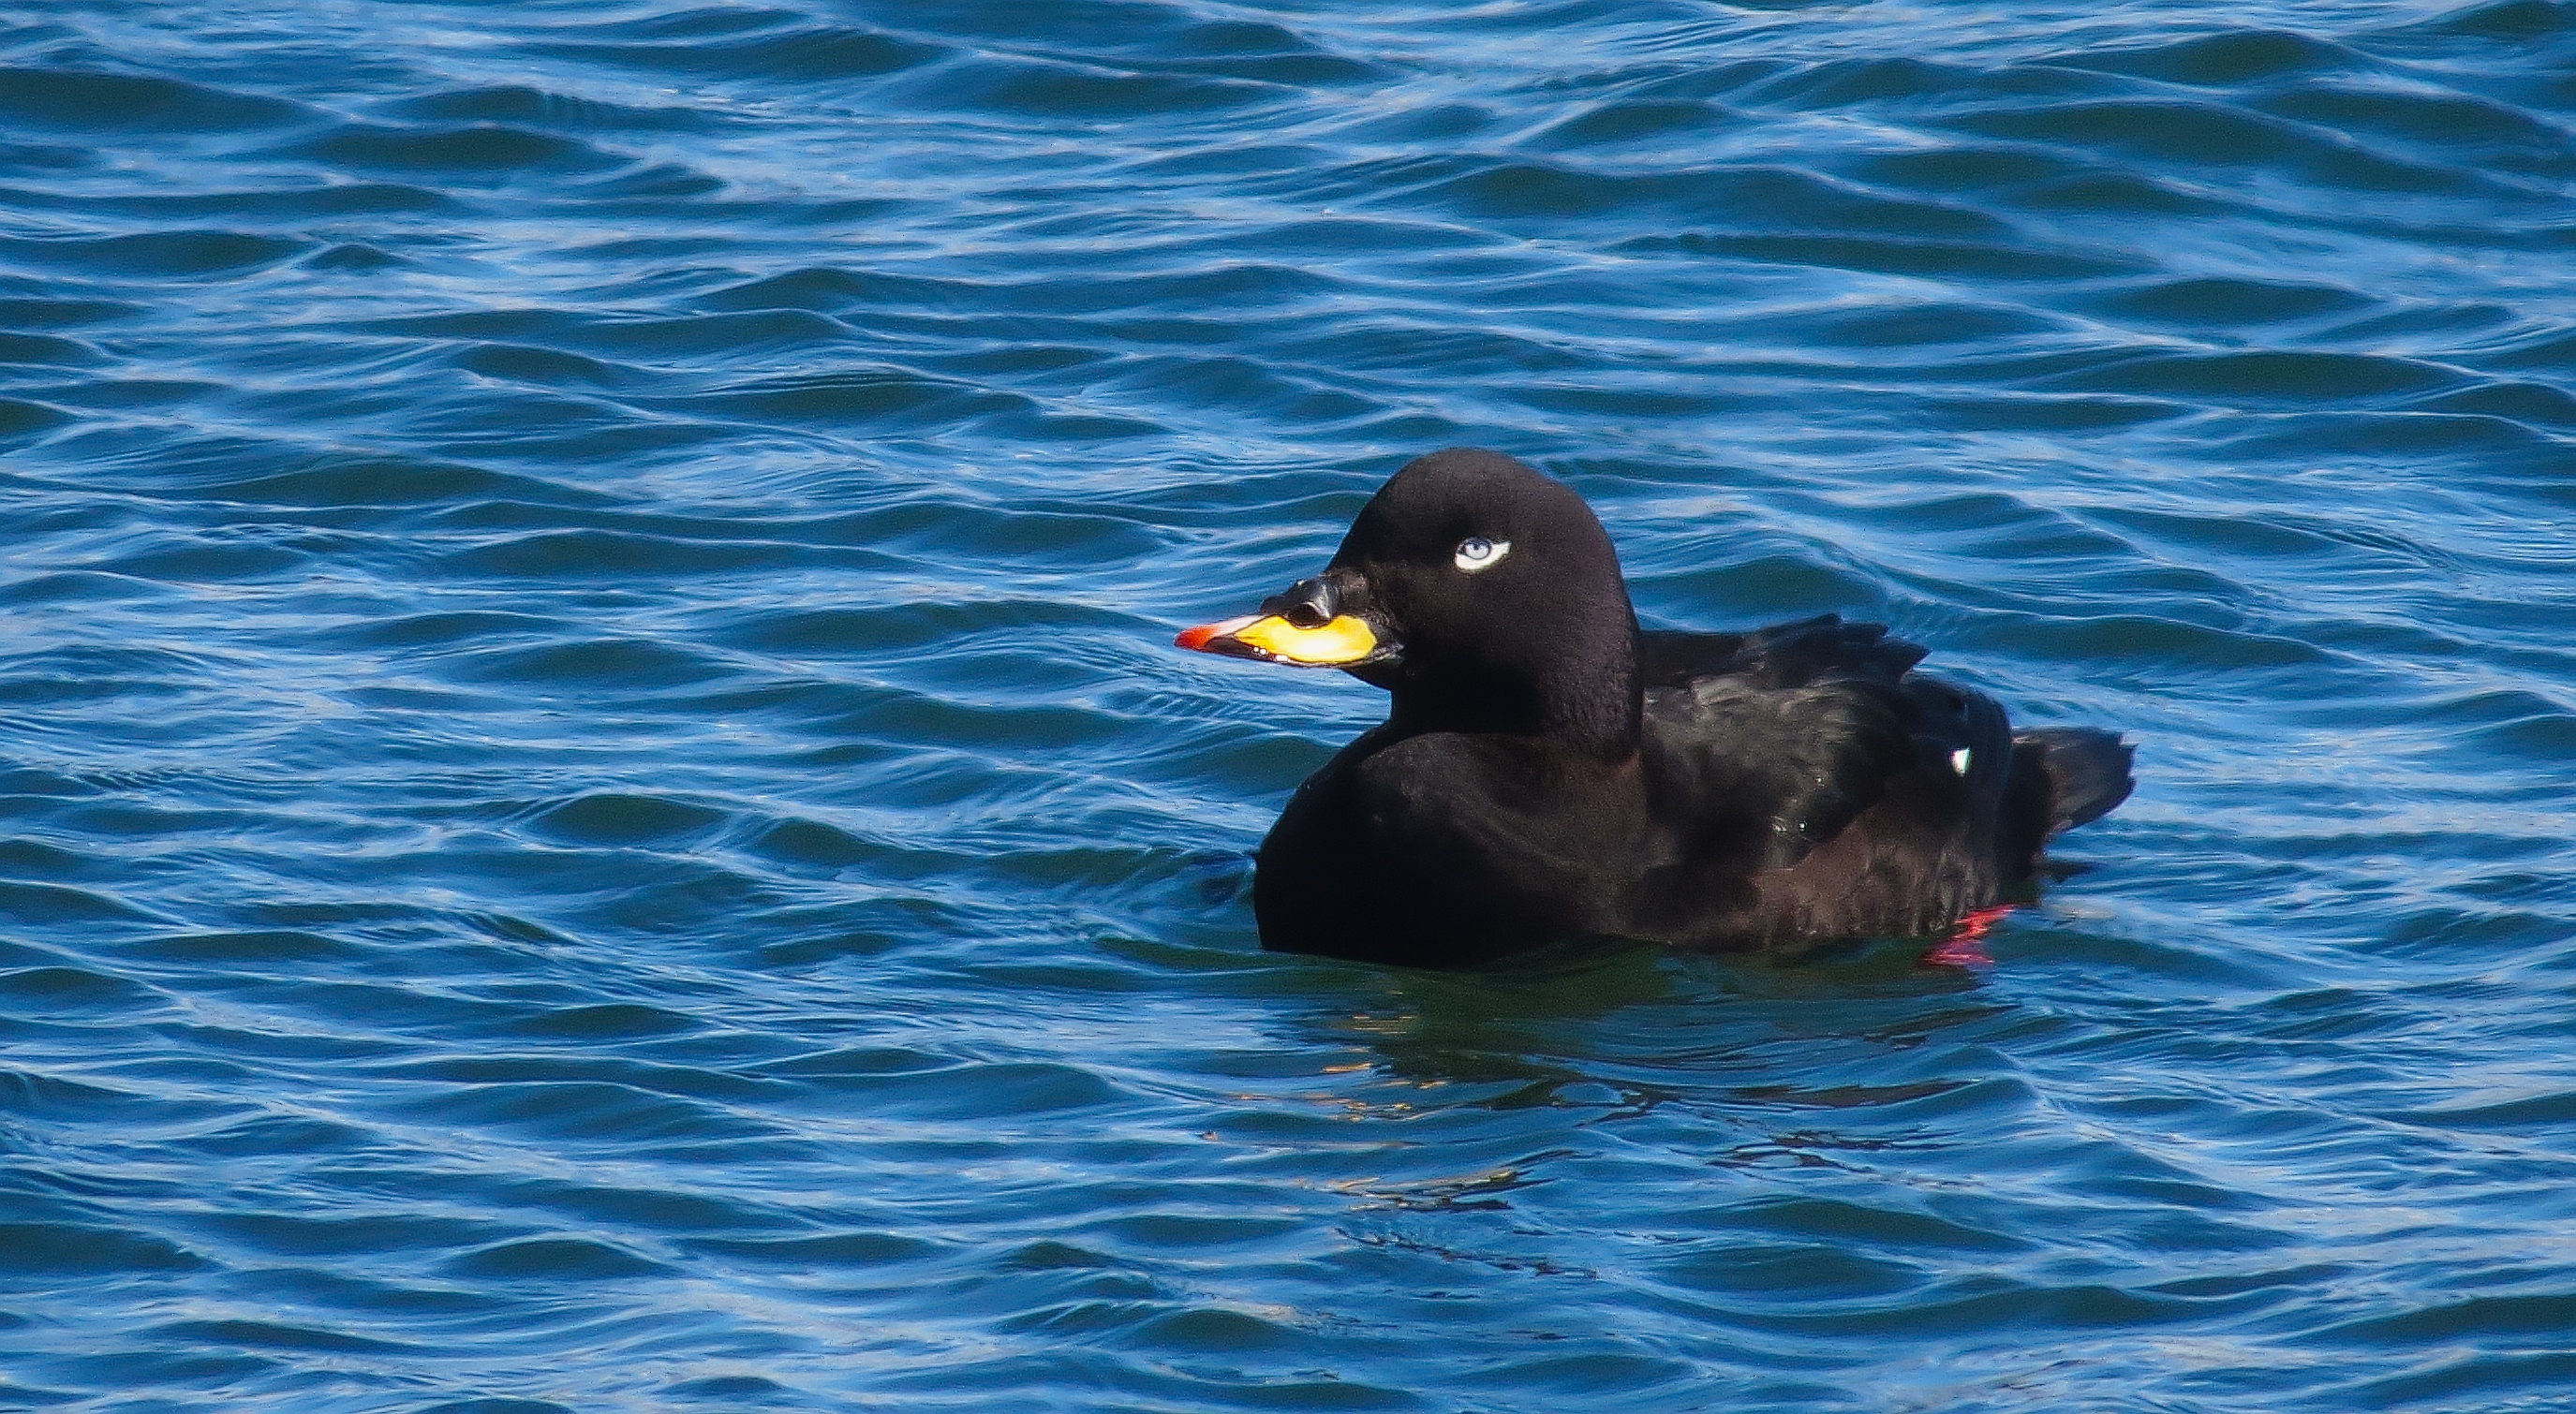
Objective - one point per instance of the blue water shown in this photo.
(597, 812)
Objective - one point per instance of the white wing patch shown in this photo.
(1959, 761)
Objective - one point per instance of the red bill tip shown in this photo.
(1197, 639)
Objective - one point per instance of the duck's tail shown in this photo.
(2088, 771)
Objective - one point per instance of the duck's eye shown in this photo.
(1478, 553)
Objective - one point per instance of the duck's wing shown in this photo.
(1749, 777)
(1776, 746)
(1784, 655)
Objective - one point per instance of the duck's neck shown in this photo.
(1590, 703)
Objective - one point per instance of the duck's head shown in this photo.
(1482, 594)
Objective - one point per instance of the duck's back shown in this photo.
(1806, 783)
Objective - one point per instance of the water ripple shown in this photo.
(595, 810)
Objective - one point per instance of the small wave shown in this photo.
(767, 45)
(157, 255)
(57, 98)
(454, 153)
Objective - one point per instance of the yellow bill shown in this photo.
(1341, 640)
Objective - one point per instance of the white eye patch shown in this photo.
(1478, 553)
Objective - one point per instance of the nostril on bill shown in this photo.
(1310, 604)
